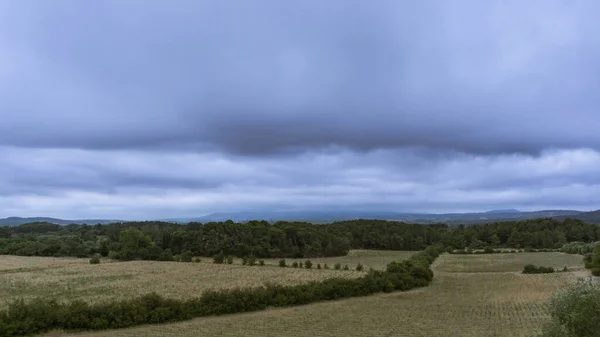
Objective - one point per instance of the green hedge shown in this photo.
(532, 269)
(40, 315)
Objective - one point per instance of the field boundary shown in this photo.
(40, 315)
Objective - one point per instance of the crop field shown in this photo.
(464, 299)
(69, 279)
(377, 259)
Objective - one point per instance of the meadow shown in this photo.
(71, 278)
(465, 299)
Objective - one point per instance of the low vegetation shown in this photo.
(40, 315)
(575, 312)
(504, 303)
(533, 269)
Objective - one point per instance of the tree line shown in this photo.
(165, 241)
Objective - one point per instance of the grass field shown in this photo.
(463, 300)
(69, 279)
(77, 279)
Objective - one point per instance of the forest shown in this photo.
(167, 241)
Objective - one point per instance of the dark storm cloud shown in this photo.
(257, 78)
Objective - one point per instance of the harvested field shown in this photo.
(77, 279)
(460, 302)
(505, 262)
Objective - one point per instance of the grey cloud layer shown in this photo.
(247, 78)
(142, 109)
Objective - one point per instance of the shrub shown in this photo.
(261, 262)
(346, 267)
(318, 266)
(197, 259)
(488, 250)
(230, 260)
(219, 258)
(187, 256)
(325, 266)
(532, 269)
(282, 263)
(95, 259)
(575, 312)
(251, 261)
(596, 271)
(244, 261)
(295, 264)
(359, 267)
(308, 264)
(300, 264)
(337, 266)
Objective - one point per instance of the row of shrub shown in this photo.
(533, 269)
(41, 315)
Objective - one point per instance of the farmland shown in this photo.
(71, 278)
(463, 300)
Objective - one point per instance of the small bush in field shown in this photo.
(308, 264)
(337, 266)
(261, 262)
(282, 263)
(318, 266)
(346, 267)
(325, 266)
(95, 259)
(359, 267)
(295, 264)
(230, 260)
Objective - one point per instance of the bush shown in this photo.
(95, 259)
(532, 269)
(325, 266)
(318, 266)
(359, 267)
(230, 260)
(282, 263)
(346, 267)
(197, 259)
(261, 262)
(187, 256)
(488, 250)
(299, 264)
(244, 261)
(219, 258)
(308, 264)
(575, 312)
(251, 261)
(337, 266)
(295, 264)
(596, 271)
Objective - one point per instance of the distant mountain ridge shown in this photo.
(329, 216)
(326, 216)
(17, 221)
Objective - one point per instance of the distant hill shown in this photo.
(329, 216)
(16, 221)
(589, 217)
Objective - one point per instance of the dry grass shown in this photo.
(457, 303)
(377, 259)
(10, 263)
(109, 281)
(505, 262)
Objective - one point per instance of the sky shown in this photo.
(147, 109)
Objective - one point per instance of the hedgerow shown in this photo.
(41, 315)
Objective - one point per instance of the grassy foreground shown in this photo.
(461, 301)
(25, 317)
